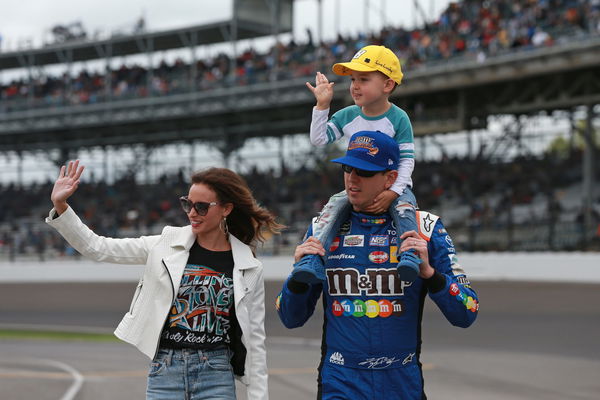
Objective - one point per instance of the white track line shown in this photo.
(77, 378)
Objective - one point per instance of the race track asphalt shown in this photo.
(531, 341)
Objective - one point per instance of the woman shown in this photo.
(198, 311)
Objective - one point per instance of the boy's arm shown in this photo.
(320, 132)
(406, 143)
(383, 201)
(405, 169)
(323, 132)
(318, 127)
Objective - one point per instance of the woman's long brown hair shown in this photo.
(247, 221)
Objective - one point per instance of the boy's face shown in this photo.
(368, 88)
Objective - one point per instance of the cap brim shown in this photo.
(358, 163)
(346, 68)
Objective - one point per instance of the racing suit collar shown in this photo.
(370, 219)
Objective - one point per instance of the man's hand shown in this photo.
(310, 246)
(412, 240)
(382, 202)
(66, 184)
(323, 91)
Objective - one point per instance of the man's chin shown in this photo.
(356, 205)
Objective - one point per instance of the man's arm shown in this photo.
(449, 286)
(296, 302)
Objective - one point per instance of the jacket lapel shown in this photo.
(176, 261)
(245, 269)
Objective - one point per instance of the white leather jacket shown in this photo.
(165, 257)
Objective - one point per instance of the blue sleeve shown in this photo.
(296, 302)
(295, 306)
(450, 288)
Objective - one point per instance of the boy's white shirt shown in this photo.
(318, 137)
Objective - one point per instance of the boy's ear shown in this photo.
(389, 85)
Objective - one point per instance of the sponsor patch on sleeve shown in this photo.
(426, 221)
(457, 269)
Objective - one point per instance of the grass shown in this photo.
(52, 335)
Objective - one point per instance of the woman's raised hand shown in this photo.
(66, 184)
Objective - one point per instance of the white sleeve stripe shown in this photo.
(406, 146)
(335, 130)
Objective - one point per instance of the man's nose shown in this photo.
(354, 176)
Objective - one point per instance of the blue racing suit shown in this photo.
(372, 330)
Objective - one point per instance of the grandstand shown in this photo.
(514, 63)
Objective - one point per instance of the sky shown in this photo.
(30, 21)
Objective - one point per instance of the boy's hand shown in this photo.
(382, 202)
(323, 91)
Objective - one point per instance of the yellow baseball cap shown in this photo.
(372, 58)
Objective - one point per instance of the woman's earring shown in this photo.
(224, 227)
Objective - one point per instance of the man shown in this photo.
(371, 338)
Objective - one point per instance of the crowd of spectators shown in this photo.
(472, 29)
(129, 208)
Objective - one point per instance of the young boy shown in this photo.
(375, 72)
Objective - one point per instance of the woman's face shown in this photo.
(209, 223)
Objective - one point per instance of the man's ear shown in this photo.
(390, 178)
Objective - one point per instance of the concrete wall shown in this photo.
(558, 267)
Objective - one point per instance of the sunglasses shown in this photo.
(360, 172)
(201, 207)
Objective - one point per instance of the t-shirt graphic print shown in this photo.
(200, 316)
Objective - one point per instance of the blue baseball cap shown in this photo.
(371, 151)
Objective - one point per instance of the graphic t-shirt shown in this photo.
(203, 313)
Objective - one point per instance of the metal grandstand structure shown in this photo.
(69, 128)
(456, 95)
(451, 97)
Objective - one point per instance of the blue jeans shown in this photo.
(191, 375)
(403, 212)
